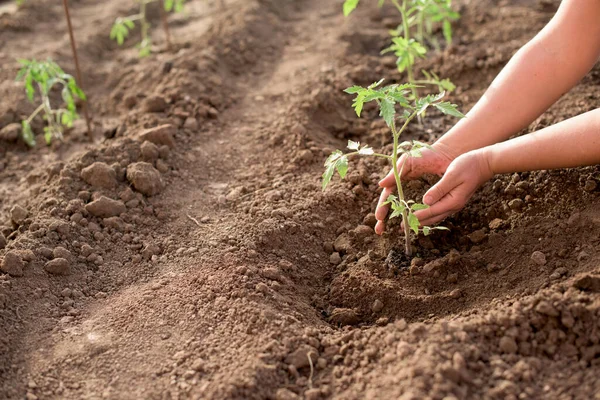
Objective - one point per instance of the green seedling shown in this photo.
(387, 99)
(123, 25)
(410, 39)
(44, 76)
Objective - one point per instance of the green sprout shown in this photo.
(410, 40)
(123, 25)
(387, 99)
(44, 76)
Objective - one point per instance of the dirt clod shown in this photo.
(100, 175)
(300, 357)
(12, 264)
(104, 207)
(145, 178)
(588, 282)
(160, 135)
(18, 214)
(538, 258)
(58, 266)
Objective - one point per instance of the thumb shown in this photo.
(439, 190)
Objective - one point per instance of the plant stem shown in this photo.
(165, 24)
(78, 70)
(407, 247)
(143, 22)
(35, 113)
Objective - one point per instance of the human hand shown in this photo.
(431, 162)
(462, 178)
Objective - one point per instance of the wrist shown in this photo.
(485, 157)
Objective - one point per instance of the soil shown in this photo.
(189, 252)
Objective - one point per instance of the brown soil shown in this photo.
(220, 286)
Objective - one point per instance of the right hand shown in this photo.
(432, 162)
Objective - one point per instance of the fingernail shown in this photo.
(427, 200)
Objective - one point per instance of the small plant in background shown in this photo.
(410, 39)
(123, 25)
(387, 99)
(43, 76)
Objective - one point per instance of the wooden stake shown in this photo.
(165, 24)
(78, 70)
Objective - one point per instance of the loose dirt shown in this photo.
(190, 252)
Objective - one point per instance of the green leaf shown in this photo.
(353, 145)
(333, 157)
(391, 198)
(48, 135)
(327, 175)
(353, 89)
(447, 29)
(387, 111)
(349, 6)
(417, 207)
(426, 230)
(449, 109)
(413, 223)
(397, 209)
(168, 5)
(366, 151)
(342, 166)
(27, 133)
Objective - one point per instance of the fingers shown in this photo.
(380, 227)
(382, 210)
(440, 189)
(389, 179)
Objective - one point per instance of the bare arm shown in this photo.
(538, 75)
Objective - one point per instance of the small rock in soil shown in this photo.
(105, 207)
(544, 307)
(363, 231)
(335, 258)
(10, 133)
(100, 175)
(342, 243)
(477, 236)
(190, 123)
(344, 316)
(12, 264)
(18, 214)
(590, 185)
(582, 256)
(150, 250)
(508, 345)
(538, 258)
(144, 178)
(299, 358)
(61, 252)
(455, 294)
(496, 223)
(162, 166)
(370, 220)
(154, 104)
(516, 204)
(149, 151)
(377, 306)
(161, 135)
(58, 266)
(589, 283)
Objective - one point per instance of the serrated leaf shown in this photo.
(413, 223)
(449, 109)
(387, 111)
(353, 89)
(342, 166)
(418, 206)
(349, 6)
(27, 134)
(327, 175)
(366, 151)
(333, 157)
(375, 84)
(353, 145)
(415, 153)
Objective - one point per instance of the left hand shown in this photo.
(462, 178)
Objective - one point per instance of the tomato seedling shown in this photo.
(44, 76)
(410, 39)
(123, 25)
(387, 99)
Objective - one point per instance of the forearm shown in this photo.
(538, 75)
(571, 143)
